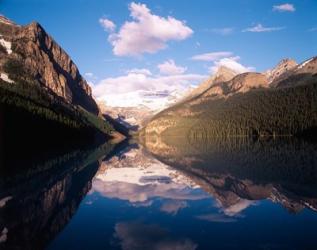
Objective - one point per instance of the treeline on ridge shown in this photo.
(260, 112)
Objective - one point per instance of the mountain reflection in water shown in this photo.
(167, 193)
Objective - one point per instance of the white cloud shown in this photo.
(237, 208)
(223, 58)
(260, 28)
(209, 57)
(232, 63)
(139, 88)
(287, 7)
(170, 68)
(107, 24)
(139, 71)
(147, 33)
(89, 74)
(222, 31)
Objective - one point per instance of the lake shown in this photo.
(166, 193)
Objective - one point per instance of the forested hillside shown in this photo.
(290, 109)
(35, 120)
(45, 104)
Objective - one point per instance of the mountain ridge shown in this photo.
(34, 50)
(246, 105)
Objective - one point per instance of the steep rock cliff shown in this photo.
(30, 48)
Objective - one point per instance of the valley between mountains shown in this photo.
(44, 98)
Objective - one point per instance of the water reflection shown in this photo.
(138, 178)
(178, 194)
(136, 235)
(168, 193)
(282, 170)
(37, 203)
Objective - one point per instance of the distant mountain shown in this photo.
(282, 68)
(240, 84)
(43, 97)
(132, 118)
(135, 118)
(282, 101)
(298, 74)
(223, 74)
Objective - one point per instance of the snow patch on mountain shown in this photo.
(305, 63)
(6, 44)
(6, 78)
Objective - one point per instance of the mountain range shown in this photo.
(42, 90)
(281, 101)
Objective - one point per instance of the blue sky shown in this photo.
(227, 27)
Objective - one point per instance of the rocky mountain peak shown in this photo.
(280, 69)
(247, 81)
(286, 64)
(46, 62)
(224, 74)
(34, 30)
(6, 20)
(308, 66)
(290, 76)
(286, 61)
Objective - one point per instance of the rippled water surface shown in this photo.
(166, 194)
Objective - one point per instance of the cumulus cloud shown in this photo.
(107, 24)
(287, 7)
(260, 28)
(231, 63)
(147, 33)
(170, 68)
(210, 57)
(139, 87)
(223, 58)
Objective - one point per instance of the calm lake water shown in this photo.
(166, 194)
